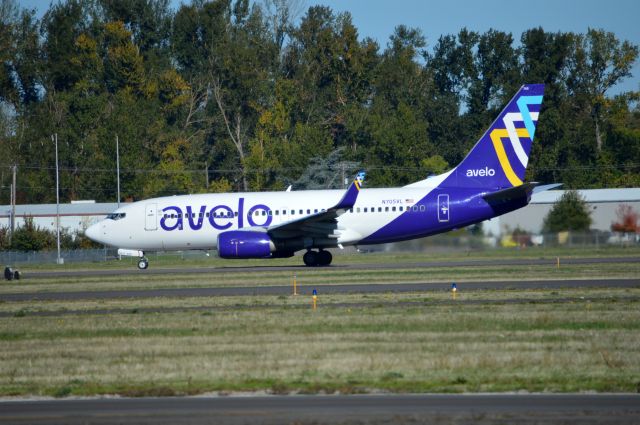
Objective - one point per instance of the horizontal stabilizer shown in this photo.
(544, 187)
(517, 192)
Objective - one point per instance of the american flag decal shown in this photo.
(409, 201)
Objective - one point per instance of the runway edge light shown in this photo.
(315, 298)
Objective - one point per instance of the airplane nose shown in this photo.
(93, 232)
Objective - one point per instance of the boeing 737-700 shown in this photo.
(487, 183)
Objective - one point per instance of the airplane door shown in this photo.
(150, 217)
(443, 208)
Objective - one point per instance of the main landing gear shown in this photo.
(317, 258)
(143, 263)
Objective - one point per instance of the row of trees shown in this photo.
(237, 95)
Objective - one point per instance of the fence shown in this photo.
(437, 243)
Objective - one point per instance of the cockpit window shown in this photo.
(116, 216)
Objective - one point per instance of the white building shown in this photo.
(602, 203)
(74, 216)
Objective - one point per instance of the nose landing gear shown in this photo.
(317, 258)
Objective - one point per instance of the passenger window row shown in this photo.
(414, 208)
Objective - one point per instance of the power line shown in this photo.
(283, 169)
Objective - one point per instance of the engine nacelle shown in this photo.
(245, 244)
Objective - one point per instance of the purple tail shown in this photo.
(499, 159)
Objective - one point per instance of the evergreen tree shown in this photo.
(569, 213)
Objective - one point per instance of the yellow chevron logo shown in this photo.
(496, 137)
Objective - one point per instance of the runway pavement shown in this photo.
(322, 289)
(373, 266)
(353, 409)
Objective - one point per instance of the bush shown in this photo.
(569, 213)
(30, 237)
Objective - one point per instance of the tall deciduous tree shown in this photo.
(599, 61)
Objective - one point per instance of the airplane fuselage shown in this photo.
(195, 221)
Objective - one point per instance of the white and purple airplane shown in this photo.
(486, 184)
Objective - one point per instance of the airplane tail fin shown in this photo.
(499, 159)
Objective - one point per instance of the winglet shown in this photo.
(350, 196)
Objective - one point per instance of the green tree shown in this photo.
(599, 61)
(30, 237)
(569, 213)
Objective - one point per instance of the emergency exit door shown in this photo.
(443, 208)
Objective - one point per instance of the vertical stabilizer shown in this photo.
(499, 159)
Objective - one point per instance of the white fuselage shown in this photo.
(195, 221)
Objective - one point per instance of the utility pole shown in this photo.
(58, 260)
(14, 170)
(118, 166)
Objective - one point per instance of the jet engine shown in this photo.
(245, 244)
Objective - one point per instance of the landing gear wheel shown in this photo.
(143, 263)
(324, 258)
(310, 258)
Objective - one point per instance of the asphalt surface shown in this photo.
(354, 409)
(377, 266)
(322, 289)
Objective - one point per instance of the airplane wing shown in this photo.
(322, 224)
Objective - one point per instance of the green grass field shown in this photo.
(351, 257)
(494, 340)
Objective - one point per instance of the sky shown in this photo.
(378, 18)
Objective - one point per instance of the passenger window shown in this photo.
(270, 212)
(358, 209)
(386, 209)
(293, 212)
(264, 212)
(315, 211)
(277, 212)
(393, 208)
(373, 209)
(350, 210)
(301, 212)
(365, 209)
(422, 207)
(308, 211)
(379, 209)
(401, 208)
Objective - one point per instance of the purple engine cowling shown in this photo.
(239, 244)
